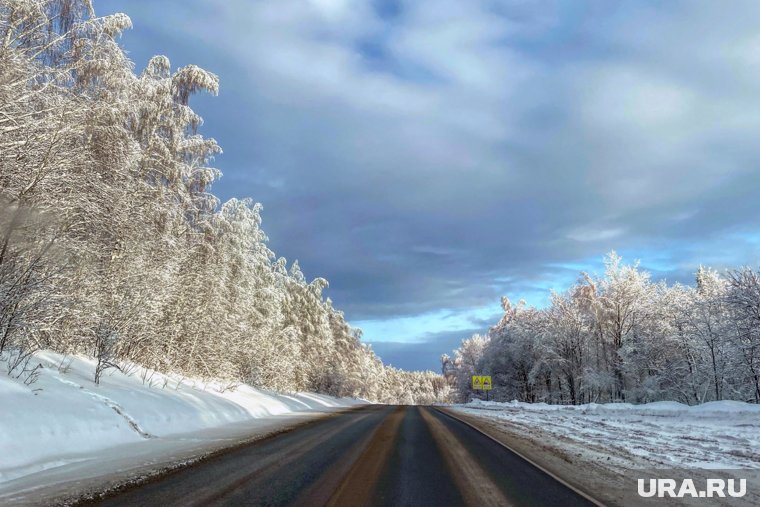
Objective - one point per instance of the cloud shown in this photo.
(414, 328)
(594, 234)
(431, 155)
(424, 354)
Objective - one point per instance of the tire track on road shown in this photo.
(359, 485)
(472, 480)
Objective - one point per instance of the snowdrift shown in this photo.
(65, 418)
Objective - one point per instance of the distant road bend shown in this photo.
(375, 455)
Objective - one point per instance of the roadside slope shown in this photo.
(63, 427)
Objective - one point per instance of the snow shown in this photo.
(714, 435)
(64, 421)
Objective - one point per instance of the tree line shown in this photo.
(623, 337)
(113, 245)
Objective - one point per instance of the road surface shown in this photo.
(376, 455)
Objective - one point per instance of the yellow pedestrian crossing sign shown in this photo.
(482, 383)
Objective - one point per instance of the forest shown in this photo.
(622, 337)
(113, 245)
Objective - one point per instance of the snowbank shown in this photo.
(661, 408)
(714, 435)
(64, 418)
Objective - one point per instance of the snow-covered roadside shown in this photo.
(715, 435)
(604, 450)
(63, 427)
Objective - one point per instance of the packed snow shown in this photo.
(714, 435)
(64, 426)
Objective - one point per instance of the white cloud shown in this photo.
(411, 329)
(585, 234)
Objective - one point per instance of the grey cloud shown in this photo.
(425, 354)
(414, 154)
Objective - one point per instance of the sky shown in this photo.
(429, 156)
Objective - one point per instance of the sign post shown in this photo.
(482, 383)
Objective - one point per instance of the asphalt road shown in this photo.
(376, 455)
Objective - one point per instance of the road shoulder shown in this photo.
(595, 478)
(80, 481)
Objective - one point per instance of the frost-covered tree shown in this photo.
(467, 362)
(744, 301)
(622, 337)
(112, 243)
